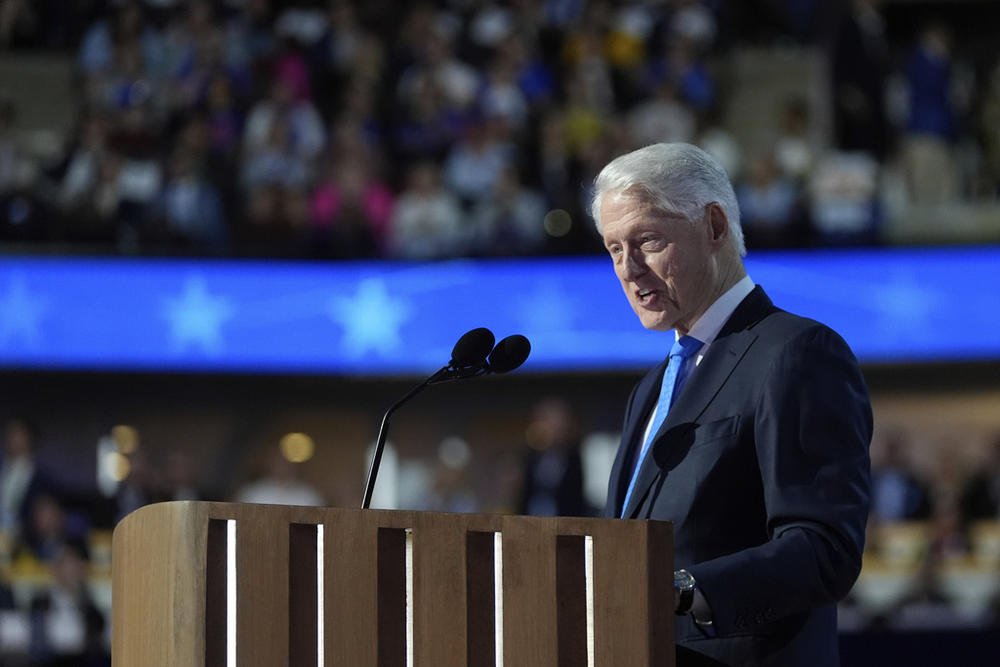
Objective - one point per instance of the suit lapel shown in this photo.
(703, 385)
(645, 398)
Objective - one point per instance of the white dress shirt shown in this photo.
(707, 328)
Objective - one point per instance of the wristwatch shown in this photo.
(684, 584)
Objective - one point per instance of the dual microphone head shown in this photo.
(475, 354)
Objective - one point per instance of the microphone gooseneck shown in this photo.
(473, 355)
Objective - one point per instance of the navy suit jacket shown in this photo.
(762, 466)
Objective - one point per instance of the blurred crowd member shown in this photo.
(583, 123)
(509, 221)
(693, 21)
(22, 481)
(451, 489)
(125, 27)
(181, 477)
(350, 210)
(860, 63)
(190, 206)
(49, 526)
(501, 97)
(346, 52)
(134, 183)
(793, 149)
(204, 66)
(928, 155)
(289, 114)
(81, 181)
(844, 208)
(249, 35)
(437, 67)
(9, 158)
(980, 498)
(281, 484)
(475, 162)
(427, 222)
(587, 67)
(553, 467)
(988, 127)
(68, 630)
(898, 493)
(768, 205)
(195, 52)
(945, 486)
(662, 118)
(435, 91)
(989, 132)
(141, 487)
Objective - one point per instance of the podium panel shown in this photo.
(204, 584)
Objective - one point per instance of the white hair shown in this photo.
(677, 178)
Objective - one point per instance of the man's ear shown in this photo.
(718, 224)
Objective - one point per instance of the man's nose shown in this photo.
(634, 265)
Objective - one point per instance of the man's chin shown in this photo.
(659, 323)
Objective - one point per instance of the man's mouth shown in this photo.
(644, 294)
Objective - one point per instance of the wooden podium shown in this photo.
(202, 584)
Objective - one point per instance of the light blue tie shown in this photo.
(673, 379)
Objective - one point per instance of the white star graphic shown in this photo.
(371, 319)
(21, 312)
(196, 317)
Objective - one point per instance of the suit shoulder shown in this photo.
(782, 324)
(783, 331)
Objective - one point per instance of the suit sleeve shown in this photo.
(611, 508)
(812, 428)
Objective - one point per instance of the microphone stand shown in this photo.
(443, 375)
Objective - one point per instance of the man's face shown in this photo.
(666, 265)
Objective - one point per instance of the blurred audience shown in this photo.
(427, 222)
(23, 483)
(470, 90)
(860, 67)
(932, 122)
(450, 487)
(280, 484)
(553, 465)
(898, 492)
(67, 628)
(980, 496)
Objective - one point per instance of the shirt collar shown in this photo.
(710, 323)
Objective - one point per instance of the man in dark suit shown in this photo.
(752, 437)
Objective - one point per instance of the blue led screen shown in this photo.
(389, 318)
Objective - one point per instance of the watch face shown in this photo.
(683, 580)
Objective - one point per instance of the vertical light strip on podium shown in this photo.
(588, 567)
(409, 597)
(498, 596)
(320, 599)
(231, 593)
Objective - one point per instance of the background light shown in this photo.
(297, 447)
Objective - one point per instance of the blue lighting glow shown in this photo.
(390, 318)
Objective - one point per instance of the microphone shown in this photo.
(468, 357)
(509, 354)
(473, 355)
